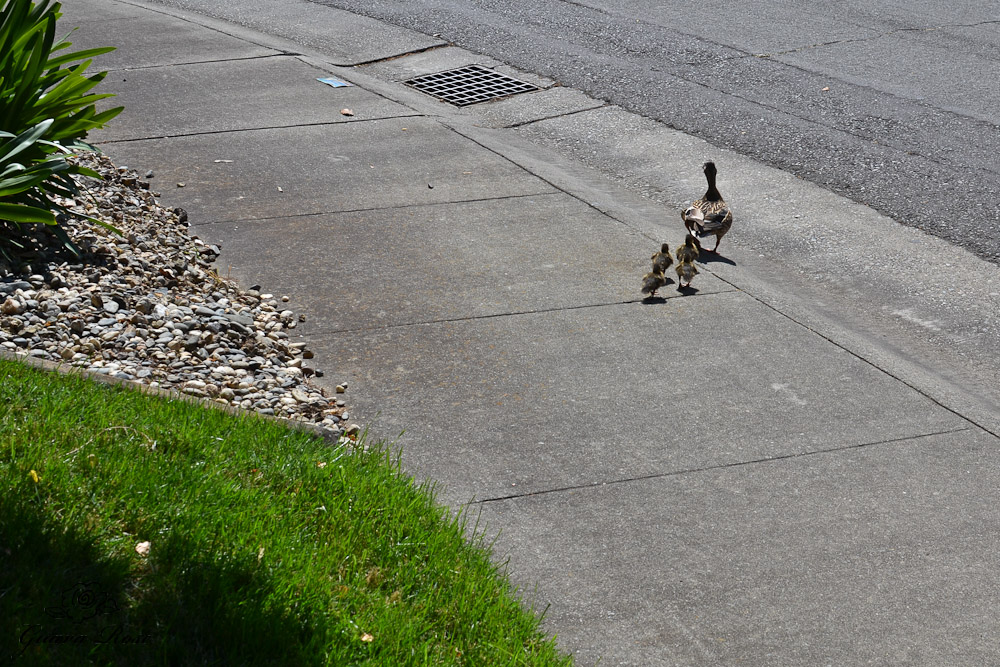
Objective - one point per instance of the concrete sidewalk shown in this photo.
(775, 470)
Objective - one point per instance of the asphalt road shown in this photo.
(893, 104)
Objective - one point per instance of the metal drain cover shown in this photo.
(469, 85)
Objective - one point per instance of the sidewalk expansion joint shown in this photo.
(585, 201)
(395, 207)
(513, 313)
(720, 466)
(280, 54)
(865, 360)
(268, 128)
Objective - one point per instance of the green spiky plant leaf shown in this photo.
(47, 107)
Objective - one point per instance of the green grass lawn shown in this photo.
(265, 545)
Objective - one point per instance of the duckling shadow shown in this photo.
(650, 300)
(711, 257)
(687, 290)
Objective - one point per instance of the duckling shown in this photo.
(662, 260)
(689, 251)
(653, 281)
(686, 271)
(710, 214)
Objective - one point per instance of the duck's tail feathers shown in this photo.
(713, 223)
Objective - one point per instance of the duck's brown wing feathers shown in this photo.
(716, 222)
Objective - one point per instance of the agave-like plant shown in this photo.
(18, 198)
(46, 110)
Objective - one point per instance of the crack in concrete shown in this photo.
(720, 466)
(829, 126)
(744, 54)
(836, 42)
(748, 54)
(776, 109)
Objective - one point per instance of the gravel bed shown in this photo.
(148, 306)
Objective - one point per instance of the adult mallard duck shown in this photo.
(710, 215)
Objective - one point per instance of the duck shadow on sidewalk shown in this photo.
(710, 257)
(671, 286)
(687, 290)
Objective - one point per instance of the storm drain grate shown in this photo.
(469, 85)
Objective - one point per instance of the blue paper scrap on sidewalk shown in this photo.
(336, 83)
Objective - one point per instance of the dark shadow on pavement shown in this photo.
(710, 256)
